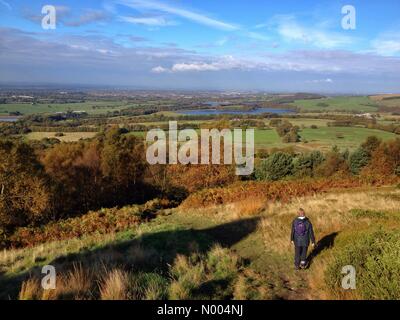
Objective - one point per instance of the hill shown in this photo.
(222, 252)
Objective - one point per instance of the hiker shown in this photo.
(301, 235)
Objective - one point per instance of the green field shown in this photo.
(67, 137)
(349, 104)
(323, 138)
(91, 107)
(343, 137)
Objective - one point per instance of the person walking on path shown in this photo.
(301, 235)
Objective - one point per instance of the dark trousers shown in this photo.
(300, 254)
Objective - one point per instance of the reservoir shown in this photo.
(8, 119)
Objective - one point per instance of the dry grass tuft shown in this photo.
(248, 207)
(114, 285)
(30, 290)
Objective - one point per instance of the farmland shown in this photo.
(66, 137)
(339, 104)
(321, 138)
(90, 107)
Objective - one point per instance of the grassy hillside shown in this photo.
(347, 104)
(232, 251)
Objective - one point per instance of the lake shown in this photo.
(8, 119)
(206, 112)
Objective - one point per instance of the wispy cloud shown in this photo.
(183, 13)
(90, 16)
(290, 30)
(152, 21)
(159, 69)
(387, 44)
(6, 4)
(327, 80)
(62, 13)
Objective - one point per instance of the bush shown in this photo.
(376, 258)
(291, 137)
(358, 160)
(270, 191)
(103, 221)
(305, 164)
(275, 167)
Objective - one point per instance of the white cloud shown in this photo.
(183, 13)
(159, 69)
(327, 80)
(155, 21)
(291, 31)
(387, 44)
(184, 67)
(320, 62)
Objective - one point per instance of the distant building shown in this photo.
(366, 115)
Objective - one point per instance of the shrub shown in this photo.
(276, 167)
(376, 258)
(272, 191)
(291, 137)
(102, 221)
(358, 160)
(305, 164)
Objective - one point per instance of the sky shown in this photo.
(268, 45)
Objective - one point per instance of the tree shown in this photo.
(291, 137)
(371, 144)
(25, 196)
(123, 165)
(275, 167)
(305, 164)
(334, 164)
(358, 160)
(385, 159)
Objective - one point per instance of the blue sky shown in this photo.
(266, 45)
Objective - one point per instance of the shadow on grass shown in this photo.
(148, 253)
(325, 243)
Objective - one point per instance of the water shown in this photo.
(206, 112)
(8, 119)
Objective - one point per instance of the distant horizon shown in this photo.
(77, 86)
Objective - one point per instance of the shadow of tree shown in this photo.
(148, 253)
(325, 243)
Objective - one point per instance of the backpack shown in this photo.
(300, 228)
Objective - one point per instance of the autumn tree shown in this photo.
(25, 196)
